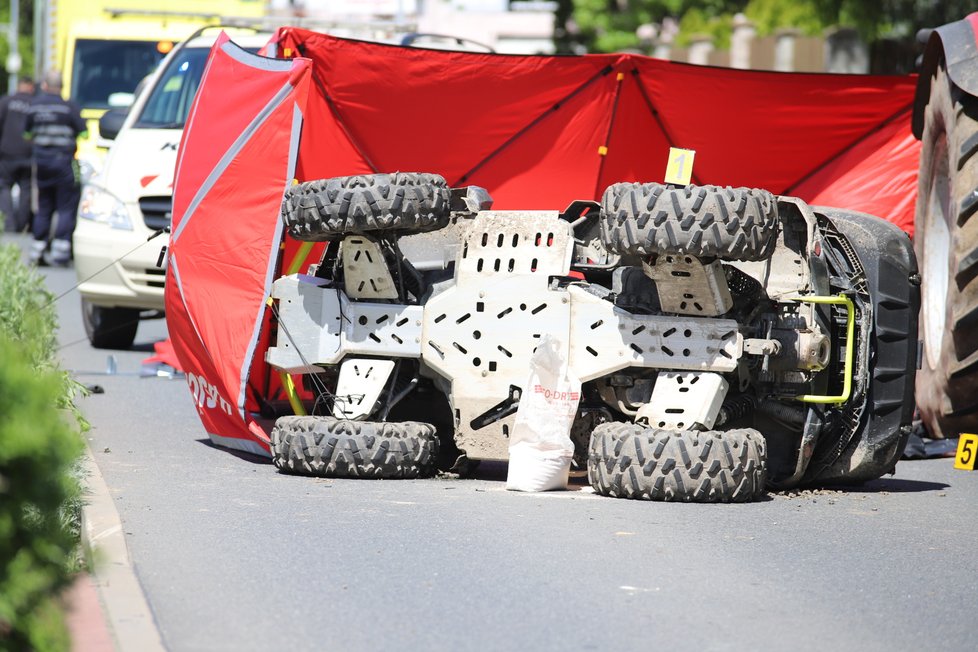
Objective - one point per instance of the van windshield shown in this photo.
(169, 102)
(101, 68)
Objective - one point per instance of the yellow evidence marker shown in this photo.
(967, 452)
(680, 168)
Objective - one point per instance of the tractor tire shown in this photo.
(392, 204)
(702, 221)
(946, 244)
(110, 328)
(627, 460)
(340, 448)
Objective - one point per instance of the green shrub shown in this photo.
(26, 308)
(40, 496)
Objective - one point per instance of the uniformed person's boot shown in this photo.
(36, 254)
(60, 253)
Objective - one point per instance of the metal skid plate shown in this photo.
(365, 272)
(533, 245)
(481, 332)
(682, 400)
(481, 338)
(604, 338)
(319, 325)
(359, 386)
(686, 286)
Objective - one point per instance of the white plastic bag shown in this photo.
(540, 447)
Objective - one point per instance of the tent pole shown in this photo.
(607, 137)
(655, 114)
(540, 118)
(336, 112)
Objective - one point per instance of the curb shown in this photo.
(124, 607)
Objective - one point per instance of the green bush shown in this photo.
(40, 496)
(26, 308)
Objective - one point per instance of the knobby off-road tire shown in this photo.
(627, 460)
(702, 221)
(946, 244)
(398, 204)
(340, 448)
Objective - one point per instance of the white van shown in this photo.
(125, 207)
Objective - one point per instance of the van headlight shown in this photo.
(100, 205)
(87, 169)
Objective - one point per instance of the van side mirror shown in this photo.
(111, 122)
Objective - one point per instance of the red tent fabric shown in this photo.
(232, 168)
(536, 131)
(539, 131)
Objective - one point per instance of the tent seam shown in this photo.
(539, 119)
(229, 155)
(811, 173)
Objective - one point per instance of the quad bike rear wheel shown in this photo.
(340, 448)
(379, 204)
(702, 221)
(627, 460)
(946, 244)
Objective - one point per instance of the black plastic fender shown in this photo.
(893, 283)
(957, 45)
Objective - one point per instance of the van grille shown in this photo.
(157, 211)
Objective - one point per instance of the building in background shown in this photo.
(506, 27)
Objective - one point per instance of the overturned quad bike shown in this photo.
(727, 340)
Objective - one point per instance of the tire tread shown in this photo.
(340, 448)
(678, 465)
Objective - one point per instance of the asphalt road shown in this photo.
(236, 556)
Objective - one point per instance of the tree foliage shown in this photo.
(610, 25)
(25, 41)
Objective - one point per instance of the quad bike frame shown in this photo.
(809, 343)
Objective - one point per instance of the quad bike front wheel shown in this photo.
(340, 448)
(946, 244)
(394, 204)
(702, 221)
(628, 460)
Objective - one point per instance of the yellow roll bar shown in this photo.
(841, 300)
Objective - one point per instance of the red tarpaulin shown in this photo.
(233, 168)
(536, 131)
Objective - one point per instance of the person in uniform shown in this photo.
(54, 125)
(15, 157)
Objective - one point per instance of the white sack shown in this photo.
(540, 447)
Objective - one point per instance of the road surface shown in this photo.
(234, 555)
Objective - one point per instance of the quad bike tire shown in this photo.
(702, 221)
(110, 328)
(340, 448)
(628, 460)
(378, 204)
(946, 244)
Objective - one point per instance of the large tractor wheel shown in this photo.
(394, 204)
(946, 244)
(702, 221)
(627, 460)
(340, 448)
